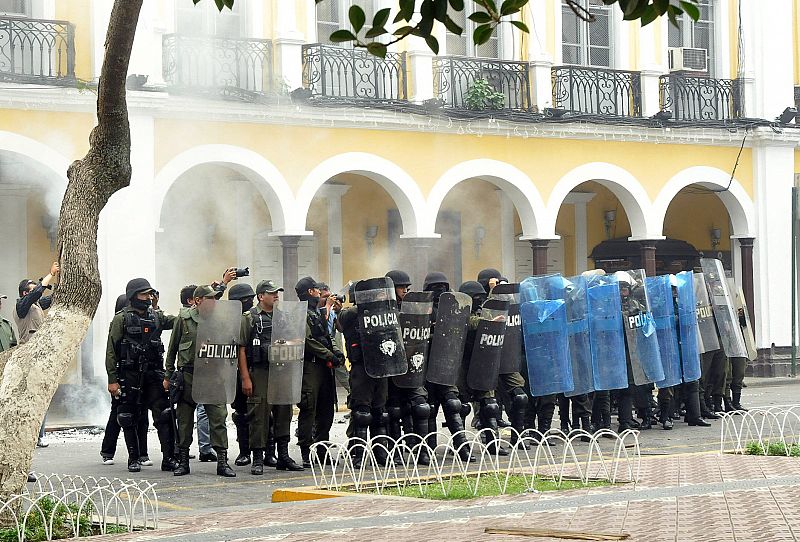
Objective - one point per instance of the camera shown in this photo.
(242, 272)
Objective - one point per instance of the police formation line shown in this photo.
(581, 343)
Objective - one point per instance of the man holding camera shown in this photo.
(319, 387)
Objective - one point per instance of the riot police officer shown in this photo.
(255, 338)
(243, 293)
(135, 367)
(319, 386)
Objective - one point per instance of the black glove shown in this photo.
(338, 359)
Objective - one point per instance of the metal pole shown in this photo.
(794, 280)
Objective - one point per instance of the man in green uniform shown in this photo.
(135, 369)
(7, 337)
(319, 387)
(181, 352)
(255, 340)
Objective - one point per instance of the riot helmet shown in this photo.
(476, 291)
(487, 274)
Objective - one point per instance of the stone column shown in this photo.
(334, 192)
(746, 251)
(420, 247)
(648, 255)
(539, 247)
(579, 200)
(289, 247)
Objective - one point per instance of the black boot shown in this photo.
(169, 464)
(737, 400)
(378, 427)
(419, 420)
(727, 404)
(693, 411)
(586, 425)
(718, 404)
(519, 403)
(270, 460)
(243, 438)
(258, 462)
(488, 413)
(285, 461)
(455, 423)
(705, 408)
(543, 425)
(305, 454)
(133, 460)
(223, 469)
(665, 415)
(183, 462)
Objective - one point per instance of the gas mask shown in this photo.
(141, 304)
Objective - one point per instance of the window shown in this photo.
(697, 34)
(463, 45)
(585, 43)
(332, 16)
(204, 19)
(15, 7)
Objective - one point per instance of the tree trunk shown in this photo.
(33, 371)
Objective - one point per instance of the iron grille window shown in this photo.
(332, 16)
(696, 34)
(15, 7)
(463, 45)
(204, 19)
(584, 43)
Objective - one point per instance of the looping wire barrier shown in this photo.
(607, 456)
(83, 506)
(765, 426)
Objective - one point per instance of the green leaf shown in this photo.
(691, 9)
(433, 44)
(228, 4)
(522, 26)
(403, 31)
(457, 5)
(508, 7)
(357, 18)
(377, 49)
(375, 31)
(649, 15)
(490, 4)
(341, 36)
(406, 11)
(482, 34)
(381, 18)
(219, 4)
(480, 17)
(440, 10)
(452, 26)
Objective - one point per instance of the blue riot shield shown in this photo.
(544, 331)
(687, 326)
(606, 333)
(659, 291)
(542, 287)
(580, 350)
(640, 329)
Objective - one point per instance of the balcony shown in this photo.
(692, 98)
(339, 72)
(37, 51)
(453, 76)
(597, 91)
(239, 69)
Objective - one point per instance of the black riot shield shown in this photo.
(379, 328)
(448, 337)
(216, 352)
(730, 334)
(415, 321)
(484, 365)
(706, 328)
(513, 348)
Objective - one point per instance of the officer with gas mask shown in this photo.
(135, 367)
(319, 386)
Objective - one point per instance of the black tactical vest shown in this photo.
(141, 344)
(260, 338)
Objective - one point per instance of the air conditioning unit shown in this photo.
(688, 59)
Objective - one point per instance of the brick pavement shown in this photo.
(697, 497)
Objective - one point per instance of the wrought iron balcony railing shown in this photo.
(340, 72)
(227, 67)
(37, 51)
(597, 91)
(700, 98)
(453, 76)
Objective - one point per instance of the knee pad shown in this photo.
(239, 418)
(164, 418)
(490, 407)
(362, 418)
(421, 410)
(466, 408)
(394, 412)
(126, 420)
(520, 398)
(452, 405)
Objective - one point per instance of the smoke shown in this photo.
(87, 404)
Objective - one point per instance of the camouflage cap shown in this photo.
(207, 291)
(267, 287)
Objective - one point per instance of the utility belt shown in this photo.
(139, 365)
(187, 369)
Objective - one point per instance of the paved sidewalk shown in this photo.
(693, 497)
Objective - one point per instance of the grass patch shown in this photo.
(488, 486)
(64, 518)
(772, 448)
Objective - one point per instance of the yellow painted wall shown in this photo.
(634, 37)
(270, 19)
(544, 160)
(552, 41)
(67, 133)
(79, 13)
(318, 223)
(565, 228)
(692, 215)
(604, 200)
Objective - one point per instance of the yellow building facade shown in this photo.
(258, 143)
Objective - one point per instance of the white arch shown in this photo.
(40, 153)
(392, 178)
(736, 200)
(263, 174)
(622, 183)
(519, 187)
